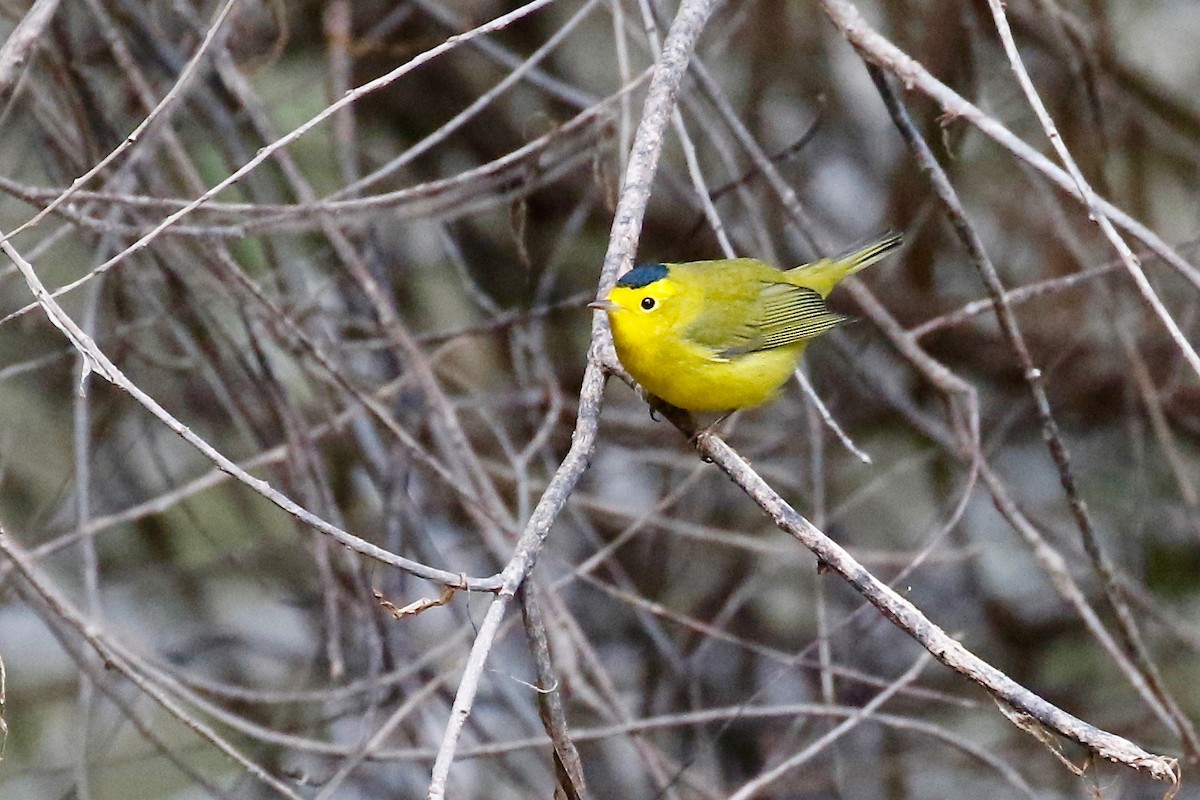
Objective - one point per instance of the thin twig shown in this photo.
(828, 419)
(768, 777)
(912, 621)
(1127, 625)
(567, 763)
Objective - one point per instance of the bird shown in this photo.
(726, 334)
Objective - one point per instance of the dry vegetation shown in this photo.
(281, 450)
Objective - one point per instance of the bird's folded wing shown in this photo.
(778, 315)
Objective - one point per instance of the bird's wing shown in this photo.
(763, 316)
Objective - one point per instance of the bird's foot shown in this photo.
(710, 428)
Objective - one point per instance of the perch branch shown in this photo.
(631, 207)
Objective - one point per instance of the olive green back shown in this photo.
(748, 306)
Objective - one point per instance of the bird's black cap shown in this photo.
(643, 275)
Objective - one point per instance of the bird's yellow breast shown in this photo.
(689, 377)
(692, 377)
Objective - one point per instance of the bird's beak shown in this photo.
(603, 305)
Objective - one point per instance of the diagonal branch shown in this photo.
(912, 621)
(1160, 700)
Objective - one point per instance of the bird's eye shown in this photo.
(648, 303)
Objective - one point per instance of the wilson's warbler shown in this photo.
(721, 335)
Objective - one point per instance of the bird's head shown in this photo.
(643, 298)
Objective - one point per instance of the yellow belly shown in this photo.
(687, 375)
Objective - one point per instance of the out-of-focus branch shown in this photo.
(68, 614)
(514, 174)
(95, 360)
(163, 108)
(14, 55)
(264, 153)
(912, 74)
(1088, 196)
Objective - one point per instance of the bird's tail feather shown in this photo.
(864, 256)
(823, 275)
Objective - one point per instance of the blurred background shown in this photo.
(385, 320)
